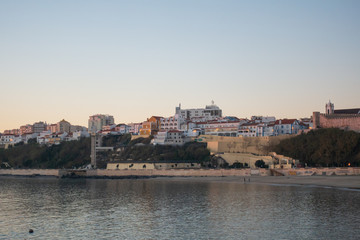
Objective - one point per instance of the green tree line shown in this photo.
(65, 155)
(329, 147)
(192, 151)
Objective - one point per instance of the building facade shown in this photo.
(286, 126)
(28, 128)
(38, 127)
(134, 128)
(171, 137)
(151, 126)
(63, 126)
(171, 123)
(210, 112)
(96, 122)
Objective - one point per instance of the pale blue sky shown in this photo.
(134, 59)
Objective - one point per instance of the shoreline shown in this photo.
(348, 182)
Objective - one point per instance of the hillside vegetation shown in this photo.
(65, 155)
(323, 147)
(140, 149)
(77, 153)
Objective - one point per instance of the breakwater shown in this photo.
(103, 173)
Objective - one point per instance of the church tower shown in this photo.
(177, 109)
(329, 108)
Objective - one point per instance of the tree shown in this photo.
(260, 164)
(237, 165)
(324, 147)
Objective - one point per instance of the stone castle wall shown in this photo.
(342, 121)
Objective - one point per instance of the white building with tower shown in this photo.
(171, 123)
(210, 112)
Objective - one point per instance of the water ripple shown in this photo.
(149, 209)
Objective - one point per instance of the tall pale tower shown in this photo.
(329, 108)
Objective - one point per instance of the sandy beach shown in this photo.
(352, 182)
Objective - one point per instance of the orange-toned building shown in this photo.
(151, 126)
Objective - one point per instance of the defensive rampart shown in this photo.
(342, 121)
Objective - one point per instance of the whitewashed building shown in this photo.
(27, 136)
(172, 137)
(10, 139)
(75, 136)
(286, 126)
(262, 119)
(220, 127)
(171, 123)
(210, 112)
(134, 128)
(122, 128)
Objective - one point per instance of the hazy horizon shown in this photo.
(134, 59)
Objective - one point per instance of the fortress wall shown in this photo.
(342, 121)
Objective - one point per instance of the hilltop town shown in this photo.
(184, 124)
(231, 140)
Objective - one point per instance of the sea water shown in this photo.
(173, 209)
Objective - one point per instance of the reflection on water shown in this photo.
(161, 209)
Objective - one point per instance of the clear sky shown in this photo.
(133, 59)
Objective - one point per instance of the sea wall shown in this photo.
(30, 172)
(320, 171)
(179, 172)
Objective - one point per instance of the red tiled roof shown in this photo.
(347, 111)
(285, 121)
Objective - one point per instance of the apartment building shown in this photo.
(96, 122)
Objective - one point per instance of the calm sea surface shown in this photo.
(162, 209)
